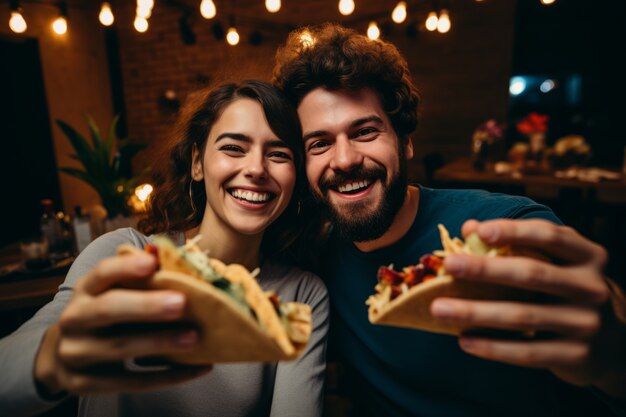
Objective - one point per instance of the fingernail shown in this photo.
(442, 310)
(489, 233)
(466, 344)
(186, 339)
(173, 304)
(455, 265)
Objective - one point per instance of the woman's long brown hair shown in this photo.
(171, 210)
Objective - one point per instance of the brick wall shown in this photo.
(463, 75)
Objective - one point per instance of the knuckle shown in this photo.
(532, 275)
(580, 353)
(590, 324)
(523, 318)
(69, 352)
(554, 234)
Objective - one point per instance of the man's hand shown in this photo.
(576, 334)
(84, 352)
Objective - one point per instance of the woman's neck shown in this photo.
(227, 245)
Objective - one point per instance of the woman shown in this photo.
(230, 178)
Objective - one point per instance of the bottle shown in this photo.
(82, 229)
(52, 231)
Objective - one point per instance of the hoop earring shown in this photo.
(193, 206)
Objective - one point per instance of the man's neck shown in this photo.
(401, 224)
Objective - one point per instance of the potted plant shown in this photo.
(107, 165)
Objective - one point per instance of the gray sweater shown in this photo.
(284, 389)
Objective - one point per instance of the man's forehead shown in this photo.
(322, 106)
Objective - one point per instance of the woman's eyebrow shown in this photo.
(274, 143)
(235, 136)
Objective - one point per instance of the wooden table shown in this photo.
(21, 290)
(461, 171)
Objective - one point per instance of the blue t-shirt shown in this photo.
(411, 372)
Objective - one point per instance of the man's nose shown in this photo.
(346, 156)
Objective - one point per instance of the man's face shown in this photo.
(356, 171)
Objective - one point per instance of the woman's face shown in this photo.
(248, 172)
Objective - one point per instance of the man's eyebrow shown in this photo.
(357, 122)
(314, 134)
(367, 119)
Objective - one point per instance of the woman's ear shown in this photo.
(408, 148)
(196, 164)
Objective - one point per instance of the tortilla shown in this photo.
(411, 309)
(227, 332)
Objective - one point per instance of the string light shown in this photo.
(431, 21)
(106, 15)
(399, 12)
(372, 31)
(444, 24)
(17, 23)
(272, 6)
(547, 2)
(346, 7)
(208, 9)
(141, 24)
(59, 26)
(232, 37)
(144, 8)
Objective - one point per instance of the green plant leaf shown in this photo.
(100, 148)
(83, 151)
(112, 134)
(84, 176)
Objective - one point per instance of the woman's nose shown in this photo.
(256, 167)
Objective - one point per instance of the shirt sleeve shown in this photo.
(18, 393)
(299, 385)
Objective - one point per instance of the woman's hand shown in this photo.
(85, 351)
(577, 336)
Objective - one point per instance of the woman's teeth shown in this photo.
(251, 196)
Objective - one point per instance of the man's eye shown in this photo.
(365, 131)
(318, 144)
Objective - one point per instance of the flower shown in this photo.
(533, 123)
(490, 132)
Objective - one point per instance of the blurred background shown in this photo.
(525, 97)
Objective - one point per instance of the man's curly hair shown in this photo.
(335, 57)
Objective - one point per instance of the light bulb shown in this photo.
(431, 21)
(399, 12)
(59, 26)
(106, 15)
(208, 9)
(232, 37)
(346, 7)
(272, 6)
(145, 4)
(547, 2)
(143, 11)
(17, 22)
(372, 31)
(141, 24)
(444, 24)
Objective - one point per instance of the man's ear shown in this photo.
(408, 148)
(196, 164)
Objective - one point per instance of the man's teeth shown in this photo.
(353, 186)
(251, 196)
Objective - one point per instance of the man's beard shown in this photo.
(364, 223)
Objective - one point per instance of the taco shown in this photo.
(237, 321)
(403, 297)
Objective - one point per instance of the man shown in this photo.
(358, 106)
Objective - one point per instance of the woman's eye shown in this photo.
(280, 156)
(232, 148)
